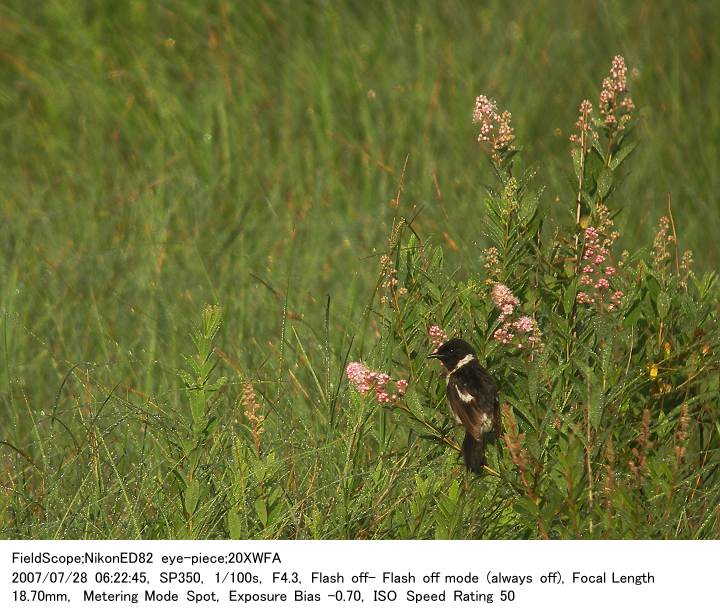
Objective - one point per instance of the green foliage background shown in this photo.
(161, 156)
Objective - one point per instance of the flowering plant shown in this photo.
(601, 362)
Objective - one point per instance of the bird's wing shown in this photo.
(475, 404)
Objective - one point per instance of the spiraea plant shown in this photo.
(194, 441)
(607, 361)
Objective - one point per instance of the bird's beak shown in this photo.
(433, 356)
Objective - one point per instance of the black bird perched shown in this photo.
(472, 396)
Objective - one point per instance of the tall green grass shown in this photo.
(161, 156)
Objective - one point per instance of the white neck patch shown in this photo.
(463, 362)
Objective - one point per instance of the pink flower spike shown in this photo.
(382, 378)
(437, 336)
(495, 128)
(356, 372)
(524, 324)
(401, 386)
(503, 298)
(503, 336)
(365, 381)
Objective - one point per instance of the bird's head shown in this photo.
(450, 353)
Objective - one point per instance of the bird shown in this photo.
(473, 399)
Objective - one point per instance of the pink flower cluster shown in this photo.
(595, 275)
(661, 244)
(584, 126)
(614, 99)
(366, 380)
(389, 281)
(495, 128)
(504, 299)
(523, 331)
(437, 336)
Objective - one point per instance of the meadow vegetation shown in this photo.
(230, 234)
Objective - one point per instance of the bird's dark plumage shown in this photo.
(472, 396)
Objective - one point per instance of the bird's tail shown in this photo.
(474, 453)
